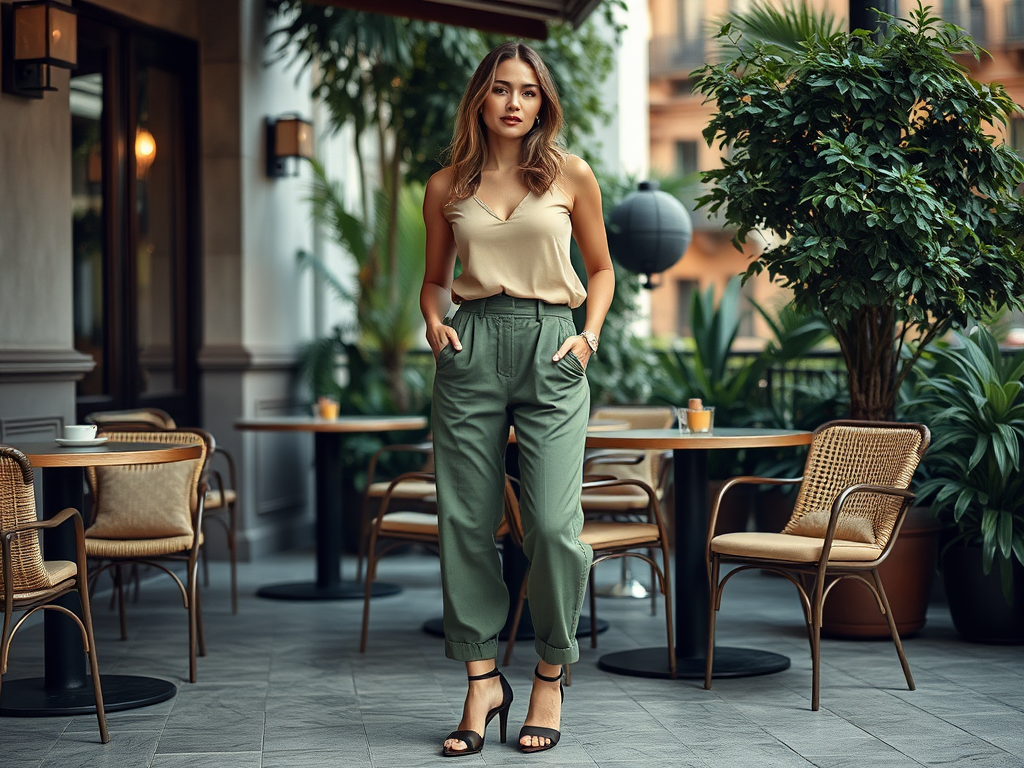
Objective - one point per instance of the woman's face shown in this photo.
(514, 100)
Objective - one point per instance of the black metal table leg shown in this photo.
(691, 594)
(329, 531)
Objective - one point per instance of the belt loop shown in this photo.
(540, 310)
(483, 306)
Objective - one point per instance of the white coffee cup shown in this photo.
(80, 432)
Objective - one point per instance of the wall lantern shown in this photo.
(145, 152)
(38, 35)
(287, 136)
(649, 231)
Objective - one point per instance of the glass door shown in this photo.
(134, 160)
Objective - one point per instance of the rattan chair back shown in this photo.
(845, 453)
(168, 437)
(132, 419)
(18, 507)
(638, 417)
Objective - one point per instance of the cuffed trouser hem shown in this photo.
(473, 651)
(552, 655)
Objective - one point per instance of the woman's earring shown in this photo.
(536, 120)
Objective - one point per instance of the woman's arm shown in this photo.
(588, 231)
(435, 295)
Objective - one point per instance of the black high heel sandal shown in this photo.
(535, 730)
(475, 741)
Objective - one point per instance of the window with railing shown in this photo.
(1015, 22)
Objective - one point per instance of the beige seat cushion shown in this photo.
(606, 534)
(214, 501)
(409, 522)
(143, 501)
(784, 546)
(57, 571)
(117, 548)
(409, 489)
(612, 502)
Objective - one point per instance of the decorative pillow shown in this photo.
(849, 527)
(144, 501)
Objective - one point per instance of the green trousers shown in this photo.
(504, 375)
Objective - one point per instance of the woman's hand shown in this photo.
(579, 347)
(439, 336)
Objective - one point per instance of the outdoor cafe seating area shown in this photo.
(283, 684)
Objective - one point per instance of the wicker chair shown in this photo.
(848, 512)
(626, 502)
(29, 583)
(221, 499)
(393, 527)
(152, 515)
(610, 539)
(417, 495)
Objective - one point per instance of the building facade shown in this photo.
(682, 42)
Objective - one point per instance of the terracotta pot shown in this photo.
(979, 610)
(851, 610)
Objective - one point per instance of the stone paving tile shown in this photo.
(284, 685)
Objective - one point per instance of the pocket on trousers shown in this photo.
(574, 363)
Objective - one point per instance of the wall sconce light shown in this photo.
(145, 152)
(38, 35)
(287, 136)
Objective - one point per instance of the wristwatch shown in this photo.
(591, 338)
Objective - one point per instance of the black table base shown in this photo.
(309, 590)
(435, 627)
(29, 697)
(729, 662)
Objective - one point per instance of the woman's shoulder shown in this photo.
(439, 188)
(576, 176)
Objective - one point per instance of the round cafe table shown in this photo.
(329, 480)
(66, 689)
(690, 469)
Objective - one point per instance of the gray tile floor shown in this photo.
(284, 686)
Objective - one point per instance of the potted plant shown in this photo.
(974, 401)
(894, 210)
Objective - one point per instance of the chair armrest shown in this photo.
(425, 448)
(597, 478)
(729, 485)
(53, 522)
(840, 501)
(59, 519)
(624, 459)
(403, 478)
(230, 460)
(653, 507)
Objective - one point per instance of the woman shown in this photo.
(507, 204)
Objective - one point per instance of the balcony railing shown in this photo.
(1015, 23)
(673, 55)
(971, 20)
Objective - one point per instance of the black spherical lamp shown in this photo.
(649, 231)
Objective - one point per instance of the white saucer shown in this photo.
(67, 443)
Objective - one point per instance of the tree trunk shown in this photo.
(868, 343)
(393, 361)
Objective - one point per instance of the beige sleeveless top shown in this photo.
(525, 256)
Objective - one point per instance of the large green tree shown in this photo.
(872, 160)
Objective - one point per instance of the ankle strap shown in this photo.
(485, 676)
(545, 678)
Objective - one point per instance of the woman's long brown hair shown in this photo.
(540, 157)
